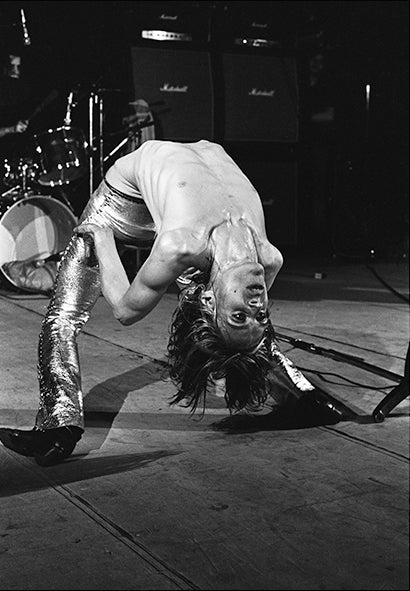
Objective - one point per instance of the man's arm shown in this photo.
(132, 302)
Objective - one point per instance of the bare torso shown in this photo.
(206, 214)
(194, 186)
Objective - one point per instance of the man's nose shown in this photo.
(256, 301)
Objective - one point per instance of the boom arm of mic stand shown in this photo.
(125, 140)
(353, 360)
(115, 150)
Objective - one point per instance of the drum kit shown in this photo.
(35, 226)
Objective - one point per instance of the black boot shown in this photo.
(48, 447)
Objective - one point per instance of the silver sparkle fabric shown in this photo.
(294, 374)
(287, 382)
(76, 290)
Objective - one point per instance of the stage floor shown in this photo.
(153, 498)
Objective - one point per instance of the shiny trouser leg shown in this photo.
(288, 384)
(76, 290)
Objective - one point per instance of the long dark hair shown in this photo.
(198, 355)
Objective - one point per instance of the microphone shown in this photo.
(27, 40)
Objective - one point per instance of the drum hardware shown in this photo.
(28, 172)
(63, 155)
(70, 106)
(93, 101)
(52, 257)
(62, 151)
(33, 227)
(9, 191)
(96, 141)
(19, 173)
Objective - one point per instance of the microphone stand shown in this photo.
(101, 133)
(96, 145)
(338, 356)
(140, 127)
(91, 105)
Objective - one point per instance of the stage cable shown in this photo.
(387, 285)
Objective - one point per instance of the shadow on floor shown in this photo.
(17, 482)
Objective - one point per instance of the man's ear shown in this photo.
(208, 299)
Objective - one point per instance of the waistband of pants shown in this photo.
(138, 200)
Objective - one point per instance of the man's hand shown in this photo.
(93, 233)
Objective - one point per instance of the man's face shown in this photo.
(241, 305)
(15, 64)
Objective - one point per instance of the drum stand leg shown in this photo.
(10, 191)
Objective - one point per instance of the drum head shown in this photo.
(35, 227)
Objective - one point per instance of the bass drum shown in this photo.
(33, 227)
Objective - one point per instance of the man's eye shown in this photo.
(239, 317)
(262, 317)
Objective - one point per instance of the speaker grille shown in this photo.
(261, 98)
(181, 81)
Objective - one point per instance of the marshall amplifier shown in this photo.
(260, 25)
(169, 22)
(250, 27)
(260, 98)
(178, 86)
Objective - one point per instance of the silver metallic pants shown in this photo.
(76, 290)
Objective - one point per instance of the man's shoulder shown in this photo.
(181, 243)
(269, 255)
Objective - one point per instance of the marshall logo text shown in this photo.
(167, 87)
(258, 92)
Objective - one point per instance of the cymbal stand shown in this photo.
(101, 134)
(97, 160)
(91, 145)
(24, 168)
(96, 141)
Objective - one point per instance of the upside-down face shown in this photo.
(239, 300)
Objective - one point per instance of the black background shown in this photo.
(81, 44)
